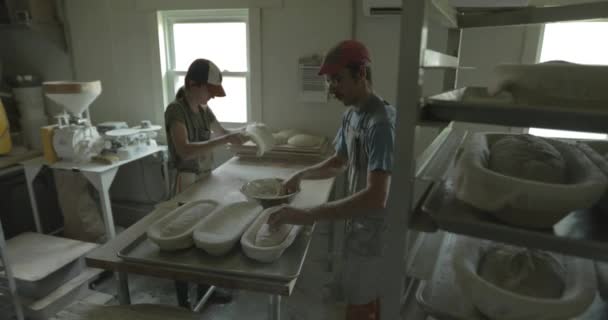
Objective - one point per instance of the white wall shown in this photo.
(115, 41)
(298, 29)
(24, 51)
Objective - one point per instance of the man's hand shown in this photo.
(290, 215)
(292, 184)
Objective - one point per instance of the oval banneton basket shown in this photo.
(266, 254)
(174, 231)
(220, 231)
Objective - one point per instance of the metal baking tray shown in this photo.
(288, 267)
(473, 104)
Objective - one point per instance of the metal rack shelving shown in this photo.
(406, 186)
(10, 304)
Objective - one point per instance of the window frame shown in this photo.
(251, 17)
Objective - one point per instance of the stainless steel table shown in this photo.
(223, 186)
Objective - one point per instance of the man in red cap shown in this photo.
(364, 149)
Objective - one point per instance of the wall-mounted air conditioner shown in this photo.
(382, 7)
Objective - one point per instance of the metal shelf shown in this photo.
(582, 233)
(473, 104)
(534, 15)
(438, 60)
(7, 282)
(454, 18)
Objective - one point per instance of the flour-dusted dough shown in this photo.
(304, 140)
(288, 133)
(529, 273)
(186, 220)
(270, 238)
(261, 136)
(528, 157)
(279, 139)
(264, 188)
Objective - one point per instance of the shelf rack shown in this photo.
(8, 287)
(415, 200)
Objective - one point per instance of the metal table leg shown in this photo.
(31, 172)
(167, 177)
(199, 306)
(124, 297)
(274, 307)
(102, 182)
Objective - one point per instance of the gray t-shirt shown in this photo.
(198, 126)
(366, 138)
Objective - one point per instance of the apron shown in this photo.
(363, 243)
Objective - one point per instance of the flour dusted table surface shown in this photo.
(99, 175)
(223, 186)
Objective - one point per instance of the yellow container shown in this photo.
(46, 134)
(5, 133)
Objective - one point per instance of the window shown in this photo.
(221, 36)
(578, 42)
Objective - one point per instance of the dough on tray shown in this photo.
(270, 238)
(279, 139)
(525, 272)
(264, 188)
(528, 157)
(304, 140)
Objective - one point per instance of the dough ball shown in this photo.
(528, 157)
(288, 133)
(529, 273)
(304, 140)
(270, 238)
(279, 139)
(264, 188)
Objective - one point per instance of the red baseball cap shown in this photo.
(345, 53)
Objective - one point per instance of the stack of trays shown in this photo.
(285, 151)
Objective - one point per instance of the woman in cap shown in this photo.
(193, 131)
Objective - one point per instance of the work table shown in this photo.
(223, 186)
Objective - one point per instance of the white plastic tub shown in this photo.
(523, 202)
(499, 304)
(180, 238)
(221, 230)
(265, 254)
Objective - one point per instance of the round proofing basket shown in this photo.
(522, 202)
(267, 201)
(499, 304)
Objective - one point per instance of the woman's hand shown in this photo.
(236, 138)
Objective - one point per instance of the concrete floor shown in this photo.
(308, 301)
